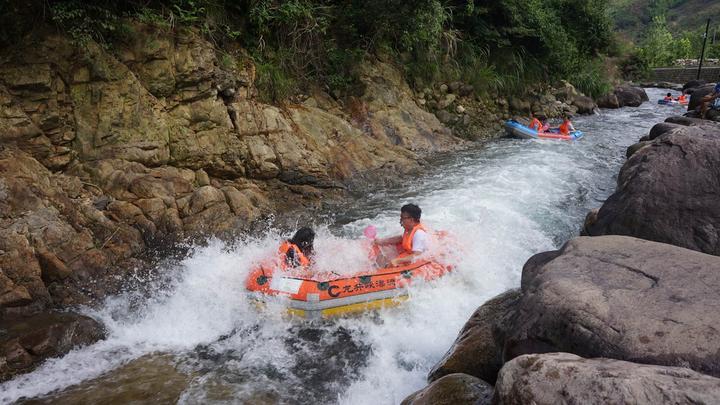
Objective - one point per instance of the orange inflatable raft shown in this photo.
(327, 294)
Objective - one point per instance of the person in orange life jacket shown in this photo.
(566, 127)
(298, 250)
(414, 239)
(682, 98)
(535, 123)
(668, 97)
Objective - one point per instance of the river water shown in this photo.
(191, 335)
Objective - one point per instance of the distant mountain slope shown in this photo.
(632, 16)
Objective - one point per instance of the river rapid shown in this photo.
(189, 334)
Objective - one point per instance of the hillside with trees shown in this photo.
(497, 46)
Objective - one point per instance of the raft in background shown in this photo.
(519, 130)
(672, 102)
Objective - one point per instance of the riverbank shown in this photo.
(631, 309)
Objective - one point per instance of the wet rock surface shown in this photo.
(475, 351)
(555, 378)
(605, 297)
(453, 389)
(668, 189)
(621, 298)
(25, 343)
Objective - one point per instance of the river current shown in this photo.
(191, 335)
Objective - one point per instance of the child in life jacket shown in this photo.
(668, 97)
(566, 127)
(298, 250)
(535, 123)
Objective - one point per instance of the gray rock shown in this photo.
(562, 378)
(696, 95)
(585, 105)
(608, 101)
(668, 191)
(624, 96)
(475, 351)
(466, 90)
(447, 101)
(23, 345)
(621, 298)
(453, 389)
(446, 117)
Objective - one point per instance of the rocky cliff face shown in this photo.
(106, 152)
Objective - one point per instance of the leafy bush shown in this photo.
(499, 46)
(85, 21)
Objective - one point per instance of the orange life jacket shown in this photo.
(299, 255)
(406, 245)
(681, 98)
(535, 124)
(565, 127)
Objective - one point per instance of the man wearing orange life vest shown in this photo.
(298, 250)
(414, 239)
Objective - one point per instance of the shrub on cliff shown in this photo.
(497, 46)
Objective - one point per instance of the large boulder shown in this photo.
(623, 96)
(584, 104)
(24, 344)
(563, 378)
(697, 93)
(668, 191)
(623, 298)
(692, 85)
(475, 351)
(453, 389)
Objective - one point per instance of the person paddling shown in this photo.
(414, 240)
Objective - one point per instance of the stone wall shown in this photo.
(684, 75)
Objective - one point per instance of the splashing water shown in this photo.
(503, 202)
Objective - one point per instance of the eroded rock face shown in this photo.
(475, 351)
(668, 190)
(621, 298)
(556, 378)
(25, 344)
(453, 389)
(388, 111)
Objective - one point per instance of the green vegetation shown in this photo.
(657, 32)
(503, 46)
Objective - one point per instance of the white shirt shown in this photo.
(420, 241)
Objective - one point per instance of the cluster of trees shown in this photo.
(499, 46)
(658, 42)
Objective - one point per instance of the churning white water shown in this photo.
(504, 202)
